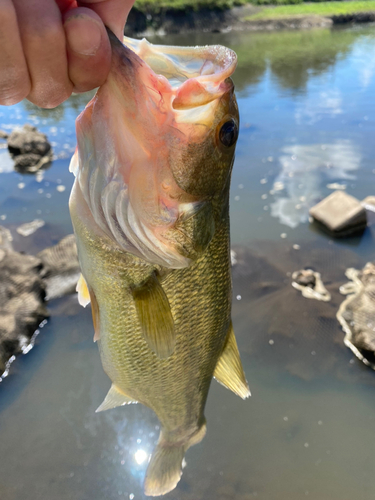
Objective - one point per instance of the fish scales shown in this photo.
(182, 380)
(150, 210)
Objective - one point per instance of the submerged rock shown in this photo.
(30, 227)
(22, 293)
(60, 268)
(279, 328)
(340, 214)
(26, 282)
(357, 313)
(310, 284)
(29, 149)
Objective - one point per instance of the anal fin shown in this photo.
(83, 292)
(155, 316)
(115, 398)
(229, 371)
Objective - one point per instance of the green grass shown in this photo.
(156, 6)
(299, 7)
(319, 9)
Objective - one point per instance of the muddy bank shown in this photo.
(169, 21)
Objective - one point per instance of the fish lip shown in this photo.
(193, 76)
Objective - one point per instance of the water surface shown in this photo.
(307, 104)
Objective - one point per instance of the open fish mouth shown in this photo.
(197, 75)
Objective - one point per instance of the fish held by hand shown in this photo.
(150, 210)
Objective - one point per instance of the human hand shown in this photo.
(51, 48)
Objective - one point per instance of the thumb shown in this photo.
(113, 13)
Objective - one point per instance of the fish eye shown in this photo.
(229, 133)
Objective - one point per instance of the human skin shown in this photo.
(51, 48)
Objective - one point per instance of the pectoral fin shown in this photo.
(95, 315)
(85, 296)
(154, 314)
(83, 292)
(115, 398)
(229, 371)
(193, 231)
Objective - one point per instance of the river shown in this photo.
(307, 102)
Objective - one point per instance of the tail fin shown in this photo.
(165, 468)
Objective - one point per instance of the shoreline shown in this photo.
(217, 20)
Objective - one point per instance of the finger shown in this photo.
(88, 48)
(112, 12)
(43, 40)
(14, 76)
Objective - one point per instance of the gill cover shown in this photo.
(145, 145)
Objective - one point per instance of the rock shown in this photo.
(357, 313)
(60, 268)
(310, 284)
(30, 227)
(31, 163)
(30, 149)
(340, 213)
(6, 239)
(305, 278)
(3, 135)
(22, 293)
(369, 203)
(26, 282)
(279, 327)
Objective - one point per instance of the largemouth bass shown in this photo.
(150, 210)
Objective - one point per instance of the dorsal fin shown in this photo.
(115, 398)
(155, 316)
(229, 371)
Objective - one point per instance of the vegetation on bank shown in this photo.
(157, 6)
(318, 9)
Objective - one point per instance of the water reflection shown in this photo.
(305, 169)
(327, 104)
(56, 115)
(293, 58)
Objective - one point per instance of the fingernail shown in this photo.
(84, 34)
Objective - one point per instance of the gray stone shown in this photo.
(357, 313)
(60, 267)
(22, 308)
(305, 278)
(310, 284)
(30, 149)
(30, 227)
(26, 282)
(369, 203)
(340, 213)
